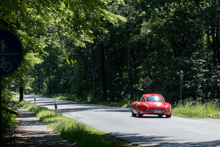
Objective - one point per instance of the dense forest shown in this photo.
(104, 49)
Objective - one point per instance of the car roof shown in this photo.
(152, 94)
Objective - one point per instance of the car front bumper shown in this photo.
(153, 111)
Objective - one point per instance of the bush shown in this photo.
(8, 121)
(209, 109)
(8, 117)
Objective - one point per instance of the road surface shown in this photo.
(146, 131)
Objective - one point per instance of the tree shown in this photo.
(151, 38)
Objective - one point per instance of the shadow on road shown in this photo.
(70, 106)
(162, 141)
(150, 116)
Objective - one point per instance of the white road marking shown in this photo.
(196, 131)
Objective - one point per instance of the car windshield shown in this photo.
(154, 98)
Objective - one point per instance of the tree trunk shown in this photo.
(50, 89)
(103, 73)
(185, 37)
(21, 90)
(93, 72)
(1, 90)
(79, 88)
(38, 83)
(130, 81)
(174, 48)
(217, 44)
(214, 46)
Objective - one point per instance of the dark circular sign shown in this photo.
(11, 53)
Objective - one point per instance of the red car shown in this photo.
(151, 104)
(27, 92)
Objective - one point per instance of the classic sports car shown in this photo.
(27, 92)
(151, 104)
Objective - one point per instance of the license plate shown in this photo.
(158, 111)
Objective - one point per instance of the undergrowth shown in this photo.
(208, 109)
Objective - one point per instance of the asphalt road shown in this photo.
(146, 131)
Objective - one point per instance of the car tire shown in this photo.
(138, 112)
(132, 113)
(168, 116)
(160, 115)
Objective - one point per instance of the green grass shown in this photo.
(84, 136)
(74, 131)
(210, 109)
(43, 113)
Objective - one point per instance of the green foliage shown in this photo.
(63, 41)
(165, 38)
(8, 113)
(7, 121)
(46, 24)
(208, 109)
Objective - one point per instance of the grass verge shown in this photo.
(74, 131)
(210, 109)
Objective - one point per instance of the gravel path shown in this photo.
(31, 132)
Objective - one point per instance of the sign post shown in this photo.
(181, 75)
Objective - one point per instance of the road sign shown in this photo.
(11, 53)
(147, 81)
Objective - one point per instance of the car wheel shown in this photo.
(168, 116)
(138, 113)
(132, 113)
(160, 115)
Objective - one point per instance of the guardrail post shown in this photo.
(55, 105)
(35, 100)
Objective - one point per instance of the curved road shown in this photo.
(146, 131)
